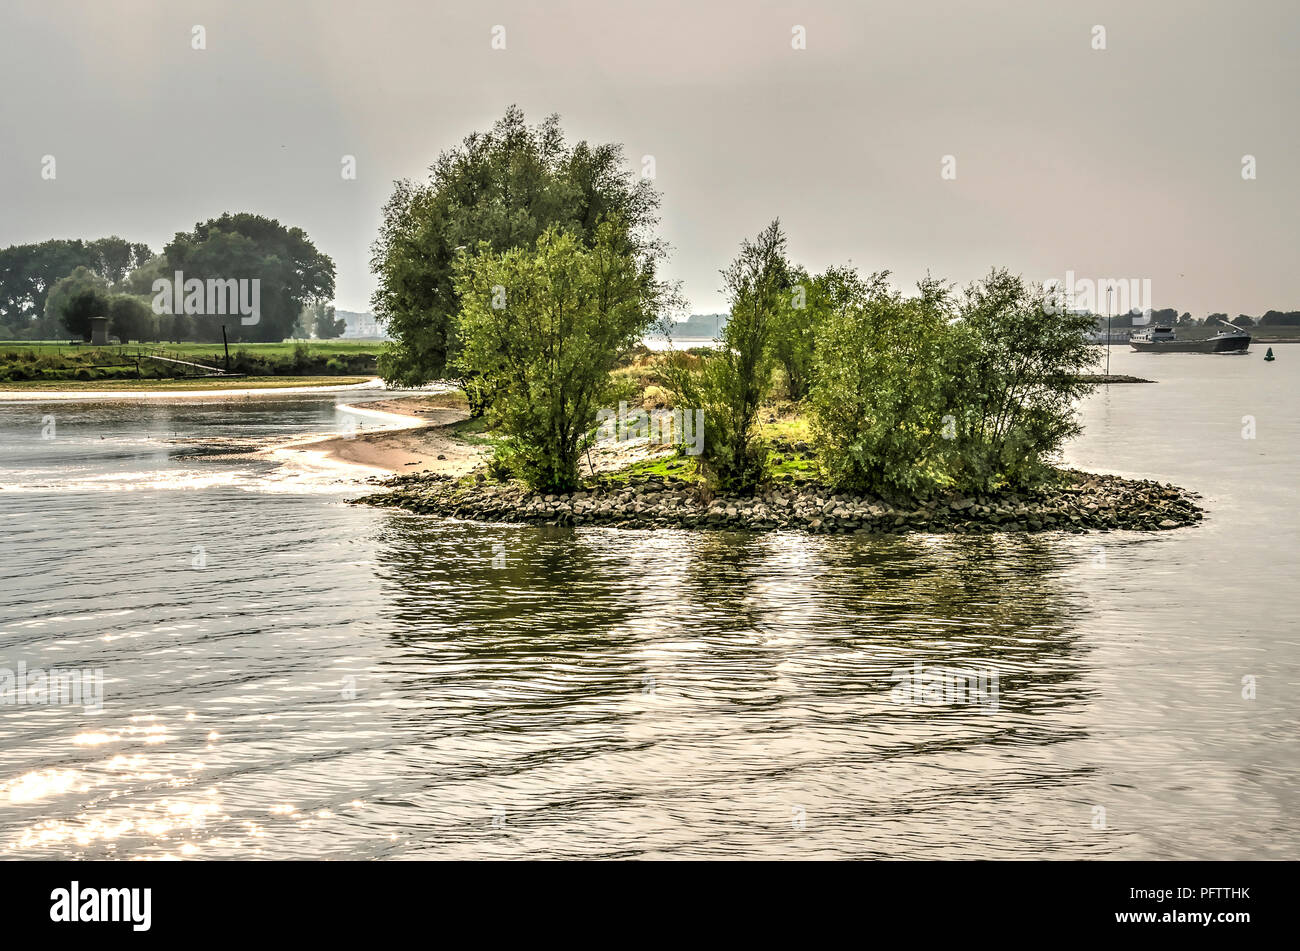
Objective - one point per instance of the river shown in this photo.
(288, 676)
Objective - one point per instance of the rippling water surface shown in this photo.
(288, 676)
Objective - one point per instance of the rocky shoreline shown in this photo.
(1080, 502)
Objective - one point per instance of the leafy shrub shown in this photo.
(916, 394)
(1017, 360)
(729, 385)
(541, 328)
(879, 392)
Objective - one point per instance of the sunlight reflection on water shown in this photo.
(345, 682)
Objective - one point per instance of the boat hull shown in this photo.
(1222, 345)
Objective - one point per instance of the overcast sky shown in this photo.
(1117, 163)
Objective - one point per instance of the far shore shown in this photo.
(181, 389)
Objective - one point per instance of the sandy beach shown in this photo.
(400, 434)
(404, 434)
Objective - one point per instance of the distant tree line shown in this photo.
(28, 273)
(55, 289)
(701, 326)
(1170, 317)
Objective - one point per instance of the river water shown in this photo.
(287, 676)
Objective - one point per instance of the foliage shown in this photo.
(916, 394)
(79, 308)
(175, 327)
(543, 327)
(26, 361)
(881, 378)
(1019, 368)
(139, 281)
(318, 318)
(730, 385)
(248, 247)
(503, 188)
(794, 334)
(28, 272)
(60, 295)
(129, 318)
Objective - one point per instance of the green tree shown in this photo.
(915, 394)
(1019, 366)
(793, 333)
(542, 327)
(139, 281)
(113, 258)
(505, 188)
(77, 311)
(60, 295)
(730, 385)
(129, 318)
(175, 327)
(881, 386)
(28, 272)
(245, 246)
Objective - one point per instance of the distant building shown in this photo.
(361, 326)
(99, 331)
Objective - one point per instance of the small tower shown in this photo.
(99, 331)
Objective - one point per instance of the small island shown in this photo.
(644, 486)
(1075, 502)
(830, 402)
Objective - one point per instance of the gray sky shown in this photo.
(1116, 163)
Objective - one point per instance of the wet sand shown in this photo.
(411, 434)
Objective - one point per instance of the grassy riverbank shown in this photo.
(65, 362)
(178, 385)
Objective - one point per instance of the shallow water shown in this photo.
(288, 676)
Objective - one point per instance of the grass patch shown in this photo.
(473, 431)
(22, 362)
(669, 466)
(797, 467)
(788, 428)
